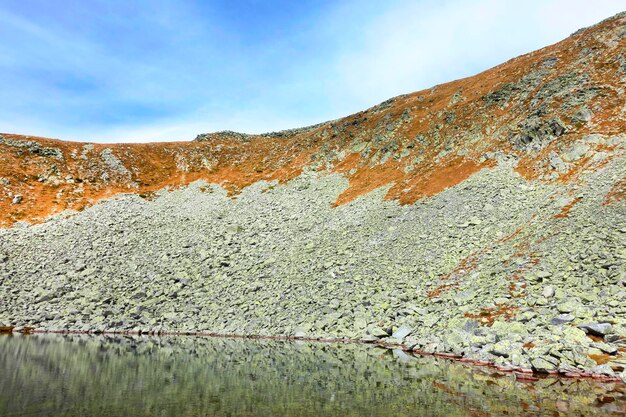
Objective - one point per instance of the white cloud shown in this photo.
(415, 45)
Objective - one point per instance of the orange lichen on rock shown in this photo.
(464, 266)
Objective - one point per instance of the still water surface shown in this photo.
(77, 375)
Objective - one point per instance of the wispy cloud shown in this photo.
(167, 70)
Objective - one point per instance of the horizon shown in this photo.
(117, 72)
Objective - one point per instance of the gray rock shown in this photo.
(557, 163)
(562, 319)
(583, 115)
(368, 338)
(113, 162)
(402, 332)
(300, 332)
(543, 274)
(17, 199)
(567, 306)
(603, 370)
(606, 348)
(548, 291)
(544, 364)
(378, 332)
(597, 329)
(577, 151)
(505, 348)
(610, 338)
(45, 297)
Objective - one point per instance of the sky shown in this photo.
(157, 70)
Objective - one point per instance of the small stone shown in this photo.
(299, 332)
(576, 335)
(548, 291)
(583, 115)
(543, 274)
(562, 319)
(606, 348)
(17, 199)
(402, 332)
(45, 297)
(567, 307)
(576, 152)
(612, 338)
(541, 364)
(378, 332)
(503, 348)
(360, 323)
(603, 370)
(369, 338)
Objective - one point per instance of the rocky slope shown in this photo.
(483, 218)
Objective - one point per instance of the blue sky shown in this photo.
(113, 70)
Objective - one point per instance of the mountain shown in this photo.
(482, 218)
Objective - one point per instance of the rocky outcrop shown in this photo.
(246, 137)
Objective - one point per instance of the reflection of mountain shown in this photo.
(185, 376)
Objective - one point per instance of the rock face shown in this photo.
(483, 218)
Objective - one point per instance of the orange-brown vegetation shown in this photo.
(466, 265)
(617, 192)
(436, 292)
(604, 358)
(566, 209)
(487, 316)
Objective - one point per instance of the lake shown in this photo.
(114, 375)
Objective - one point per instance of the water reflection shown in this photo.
(73, 375)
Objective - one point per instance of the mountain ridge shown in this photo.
(435, 119)
(393, 126)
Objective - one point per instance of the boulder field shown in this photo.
(484, 218)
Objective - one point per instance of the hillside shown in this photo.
(483, 218)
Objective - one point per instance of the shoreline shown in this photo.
(523, 374)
